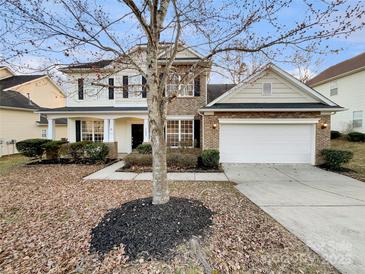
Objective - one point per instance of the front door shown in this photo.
(137, 135)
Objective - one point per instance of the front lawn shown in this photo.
(48, 213)
(9, 162)
(358, 162)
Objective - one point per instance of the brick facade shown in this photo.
(211, 135)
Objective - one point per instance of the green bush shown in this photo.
(136, 159)
(210, 158)
(356, 137)
(335, 158)
(144, 148)
(52, 149)
(185, 161)
(77, 150)
(335, 134)
(32, 147)
(96, 151)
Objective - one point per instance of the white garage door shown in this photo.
(266, 143)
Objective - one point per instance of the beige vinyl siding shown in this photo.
(282, 92)
(19, 125)
(43, 92)
(4, 73)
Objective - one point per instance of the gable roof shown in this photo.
(216, 90)
(348, 66)
(17, 80)
(322, 100)
(14, 99)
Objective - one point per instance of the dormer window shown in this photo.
(333, 88)
(266, 89)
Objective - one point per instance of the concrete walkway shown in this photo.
(324, 209)
(110, 173)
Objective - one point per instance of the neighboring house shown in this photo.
(20, 97)
(344, 84)
(270, 118)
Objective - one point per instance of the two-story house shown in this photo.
(20, 96)
(344, 83)
(270, 118)
(117, 111)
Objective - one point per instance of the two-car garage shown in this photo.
(267, 140)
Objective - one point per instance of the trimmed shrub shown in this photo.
(32, 147)
(144, 148)
(185, 161)
(52, 149)
(335, 158)
(96, 151)
(335, 134)
(77, 150)
(356, 137)
(136, 159)
(210, 158)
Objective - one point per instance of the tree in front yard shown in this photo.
(67, 30)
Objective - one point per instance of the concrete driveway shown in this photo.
(324, 209)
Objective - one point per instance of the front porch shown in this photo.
(127, 130)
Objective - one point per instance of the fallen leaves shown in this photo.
(47, 213)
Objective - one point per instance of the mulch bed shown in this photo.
(48, 213)
(344, 171)
(150, 231)
(139, 169)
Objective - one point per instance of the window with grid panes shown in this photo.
(172, 133)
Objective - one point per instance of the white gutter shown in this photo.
(91, 111)
(270, 109)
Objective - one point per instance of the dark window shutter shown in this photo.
(197, 86)
(144, 94)
(197, 133)
(160, 76)
(80, 83)
(111, 88)
(78, 130)
(125, 86)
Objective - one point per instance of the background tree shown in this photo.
(64, 31)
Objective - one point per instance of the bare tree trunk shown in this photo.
(157, 116)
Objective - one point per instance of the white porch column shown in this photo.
(71, 130)
(51, 129)
(111, 130)
(146, 131)
(106, 130)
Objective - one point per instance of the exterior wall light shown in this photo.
(214, 126)
(324, 125)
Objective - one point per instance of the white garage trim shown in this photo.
(269, 121)
(311, 133)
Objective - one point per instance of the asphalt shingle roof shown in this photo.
(17, 80)
(338, 69)
(216, 90)
(15, 99)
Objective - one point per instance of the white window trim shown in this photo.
(179, 134)
(92, 131)
(180, 87)
(45, 135)
(360, 119)
(262, 90)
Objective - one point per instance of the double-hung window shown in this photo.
(333, 88)
(180, 133)
(357, 119)
(92, 131)
(182, 86)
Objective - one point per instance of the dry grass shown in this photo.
(358, 162)
(47, 213)
(8, 162)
